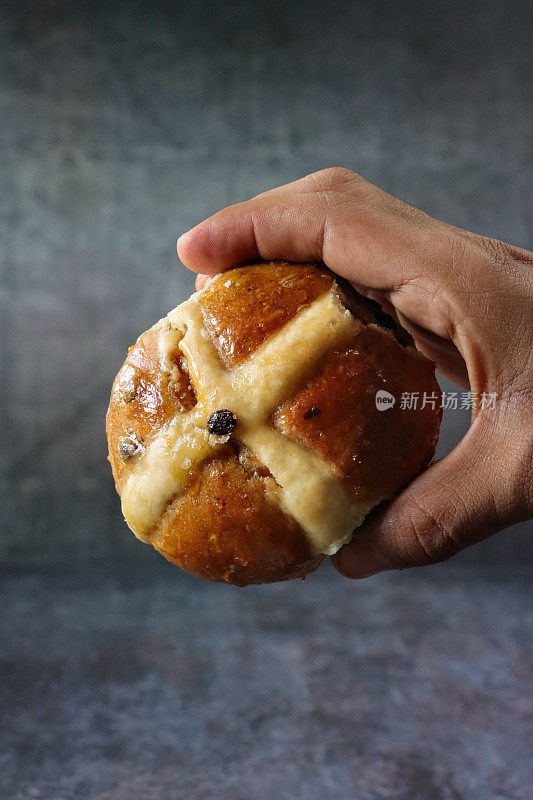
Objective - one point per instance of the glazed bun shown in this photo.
(254, 427)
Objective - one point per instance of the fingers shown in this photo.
(438, 279)
(442, 351)
(363, 235)
(458, 501)
(367, 246)
(288, 222)
(265, 228)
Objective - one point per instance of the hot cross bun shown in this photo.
(245, 437)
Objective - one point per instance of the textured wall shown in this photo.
(124, 123)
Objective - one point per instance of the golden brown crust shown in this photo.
(374, 452)
(227, 525)
(143, 398)
(254, 302)
(226, 528)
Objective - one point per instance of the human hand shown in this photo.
(468, 302)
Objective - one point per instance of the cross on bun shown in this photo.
(244, 435)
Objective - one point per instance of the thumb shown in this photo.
(474, 491)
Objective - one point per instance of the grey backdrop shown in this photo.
(121, 677)
(122, 124)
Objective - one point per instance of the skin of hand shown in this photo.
(468, 302)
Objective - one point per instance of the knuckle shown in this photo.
(498, 251)
(333, 177)
(430, 538)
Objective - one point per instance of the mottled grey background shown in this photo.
(121, 678)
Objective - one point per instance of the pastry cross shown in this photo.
(306, 486)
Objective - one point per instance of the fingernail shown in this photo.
(359, 560)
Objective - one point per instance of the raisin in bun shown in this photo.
(244, 434)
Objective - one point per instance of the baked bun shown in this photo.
(244, 435)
